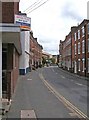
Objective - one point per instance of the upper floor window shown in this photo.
(88, 45)
(75, 36)
(83, 46)
(83, 31)
(75, 49)
(88, 27)
(78, 34)
(79, 48)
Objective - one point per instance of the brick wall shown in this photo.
(80, 59)
(8, 11)
(36, 49)
(12, 66)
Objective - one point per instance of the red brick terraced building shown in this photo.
(36, 51)
(74, 50)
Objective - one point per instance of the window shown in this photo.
(79, 48)
(78, 64)
(75, 37)
(88, 65)
(78, 34)
(83, 31)
(88, 45)
(14, 58)
(4, 56)
(88, 27)
(75, 49)
(83, 61)
(83, 46)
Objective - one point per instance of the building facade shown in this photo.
(80, 54)
(24, 58)
(35, 51)
(9, 9)
(74, 50)
(11, 48)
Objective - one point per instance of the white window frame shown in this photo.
(75, 49)
(78, 34)
(78, 47)
(83, 31)
(83, 46)
(75, 36)
(83, 63)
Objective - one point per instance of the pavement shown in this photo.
(31, 96)
(75, 75)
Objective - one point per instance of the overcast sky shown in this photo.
(52, 21)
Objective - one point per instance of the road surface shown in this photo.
(50, 92)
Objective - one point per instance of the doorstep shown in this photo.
(4, 108)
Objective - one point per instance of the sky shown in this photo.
(52, 21)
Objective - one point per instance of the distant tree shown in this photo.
(53, 60)
(43, 60)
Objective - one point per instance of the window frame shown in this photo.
(79, 47)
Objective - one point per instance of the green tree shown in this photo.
(43, 60)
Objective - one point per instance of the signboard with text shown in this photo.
(23, 21)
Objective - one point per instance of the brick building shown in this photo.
(35, 51)
(80, 47)
(75, 56)
(65, 53)
(9, 9)
(11, 48)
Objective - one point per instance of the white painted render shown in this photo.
(11, 34)
(26, 60)
(25, 44)
(68, 64)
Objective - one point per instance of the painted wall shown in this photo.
(24, 58)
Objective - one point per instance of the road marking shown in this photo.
(63, 77)
(53, 70)
(72, 80)
(73, 114)
(28, 114)
(79, 84)
(29, 79)
(68, 104)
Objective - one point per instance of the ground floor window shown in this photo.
(88, 65)
(83, 62)
(88, 45)
(4, 56)
(78, 64)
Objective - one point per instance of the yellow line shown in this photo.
(63, 100)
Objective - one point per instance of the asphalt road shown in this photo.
(73, 88)
(49, 92)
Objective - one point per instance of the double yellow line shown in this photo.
(68, 104)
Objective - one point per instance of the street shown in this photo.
(49, 92)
